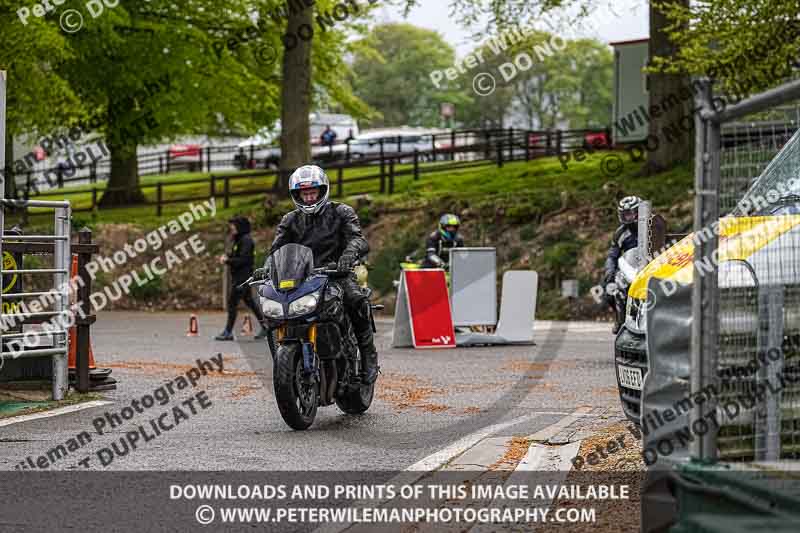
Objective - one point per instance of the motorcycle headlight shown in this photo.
(635, 316)
(271, 308)
(304, 305)
(641, 317)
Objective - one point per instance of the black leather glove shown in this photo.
(346, 262)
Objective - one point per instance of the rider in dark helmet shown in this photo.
(333, 232)
(625, 238)
(440, 241)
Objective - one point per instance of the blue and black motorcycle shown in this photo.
(316, 361)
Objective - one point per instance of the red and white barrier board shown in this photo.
(422, 314)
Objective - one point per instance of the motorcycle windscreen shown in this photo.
(289, 266)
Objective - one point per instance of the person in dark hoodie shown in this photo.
(240, 261)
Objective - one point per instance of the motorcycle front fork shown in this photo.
(619, 310)
(310, 367)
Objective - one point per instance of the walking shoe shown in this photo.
(224, 336)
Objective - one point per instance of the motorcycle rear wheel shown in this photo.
(297, 402)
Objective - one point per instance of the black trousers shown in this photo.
(234, 296)
(357, 308)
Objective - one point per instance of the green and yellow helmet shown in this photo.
(446, 220)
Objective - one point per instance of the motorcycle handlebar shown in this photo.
(333, 272)
(260, 275)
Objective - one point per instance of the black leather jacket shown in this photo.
(624, 239)
(329, 233)
(242, 254)
(436, 249)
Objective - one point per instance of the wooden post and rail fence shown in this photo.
(384, 169)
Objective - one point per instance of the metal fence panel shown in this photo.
(473, 291)
(746, 300)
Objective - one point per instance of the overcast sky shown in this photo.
(620, 20)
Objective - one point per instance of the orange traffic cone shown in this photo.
(192, 326)
(72, 357)
(247, 326)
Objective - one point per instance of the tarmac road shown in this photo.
(430, 405)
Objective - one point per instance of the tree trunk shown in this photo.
(123, 184)
(669, 149)
(295, 99)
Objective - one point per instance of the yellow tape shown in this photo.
(739, 238)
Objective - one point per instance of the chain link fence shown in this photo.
(746, 293)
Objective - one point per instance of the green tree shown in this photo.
(150, 72)
(668, 19)
(550, 81)
(314, 73)
(392, 70)
(594, 67)
(38, 99)
(747, 45)
(482, 110)
(570, 81)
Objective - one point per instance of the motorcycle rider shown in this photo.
(333, 232)
(440, 241)
(240, 261)
(625, 238)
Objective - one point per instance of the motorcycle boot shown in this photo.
(362, 327)
(356, 303)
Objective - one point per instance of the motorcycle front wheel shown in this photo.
(297, 400)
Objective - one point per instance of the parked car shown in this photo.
(757, 247)
(263, 148)
(185, 156)
(395, 140)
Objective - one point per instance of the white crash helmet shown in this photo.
(307, 177)
(628, 209)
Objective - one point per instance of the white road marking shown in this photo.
(437, 459)
(54, 412)
(554, 461)
(421, 468)
(551, 431)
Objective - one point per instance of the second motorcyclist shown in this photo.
(437, 254)
(333, 232)
(625, 238)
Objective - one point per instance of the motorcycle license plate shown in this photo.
(630, 377)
